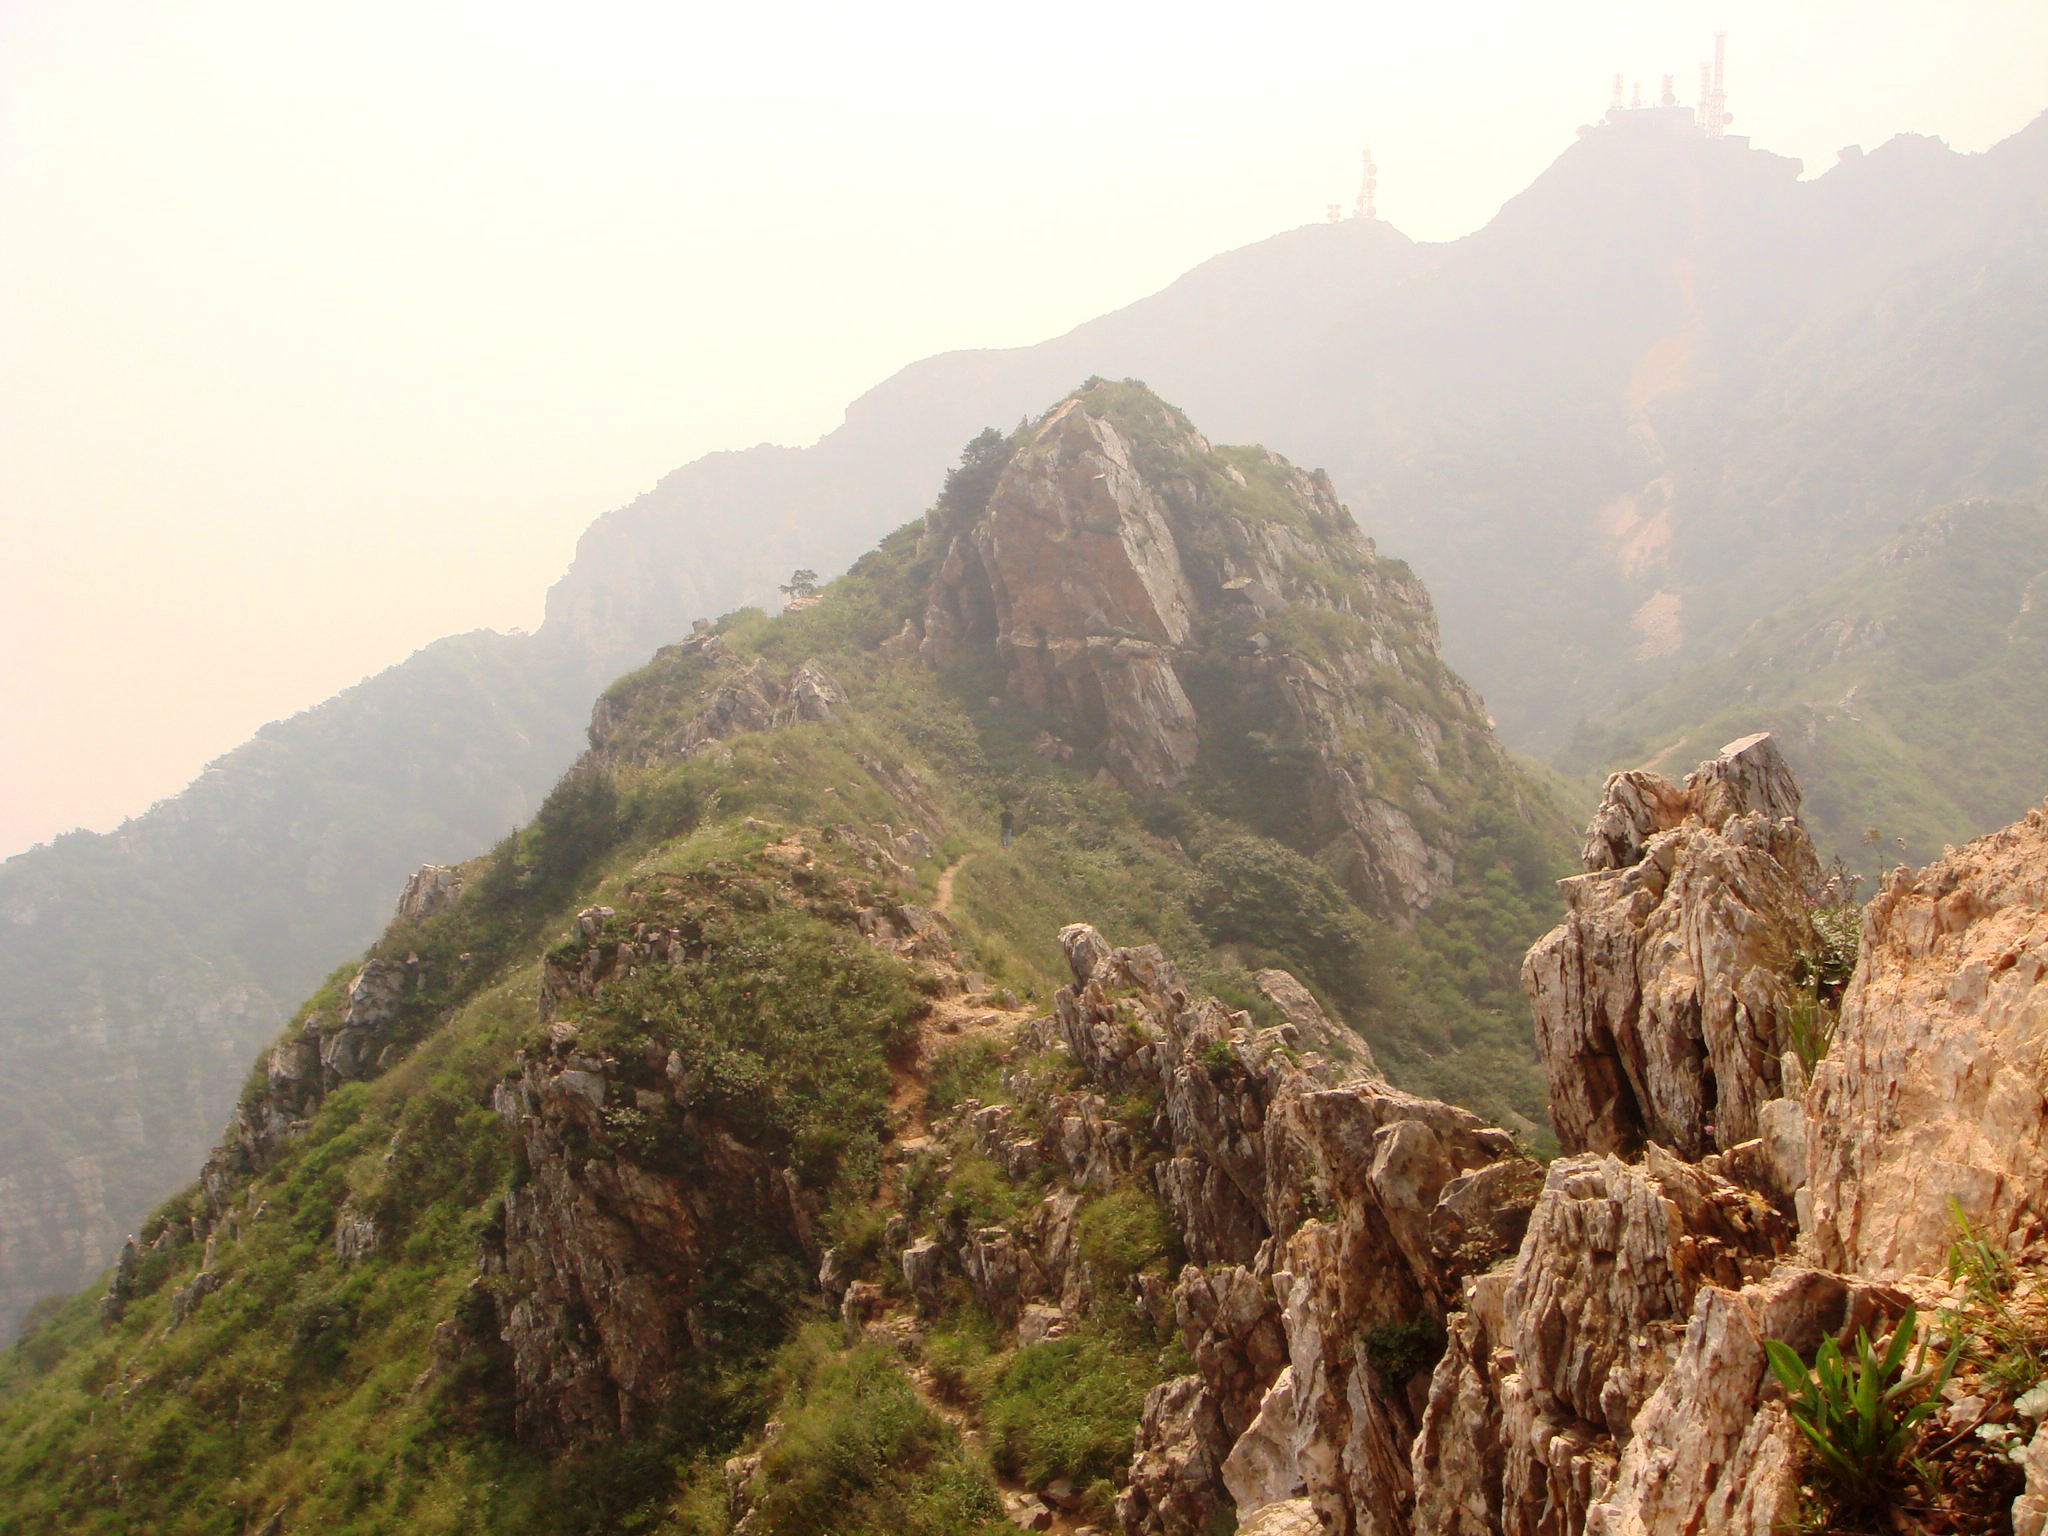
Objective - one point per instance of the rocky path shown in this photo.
(942, 899)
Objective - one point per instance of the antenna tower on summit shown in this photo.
(1714, 114)
(1365, 208)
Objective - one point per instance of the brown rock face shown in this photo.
(1658, 1000)
(1078, 576)
(1179, 615)
(1936, 1088)
(597, 1269)
(1329, 1221)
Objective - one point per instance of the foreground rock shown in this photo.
(1318, 1213)
(1612, 1380)
(1934, 1090)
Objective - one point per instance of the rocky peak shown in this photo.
(700, 692)
(1172, 607)
(1075, 576)
(1659, 1002)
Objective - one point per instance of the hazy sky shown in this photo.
(325, 327)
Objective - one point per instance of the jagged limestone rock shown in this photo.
(430, 888)
(1708, 1453)
(1310, 1213)
(1553, 1361)
(1936, 1087)
(1659, 999)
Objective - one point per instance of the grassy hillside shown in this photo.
(265, 1362)
(1910, 691)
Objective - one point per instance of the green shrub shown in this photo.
(1398, 1351)
(960, 1070)
(1068, 1408)
(1861, 1414)
(2009, 1335)
(1124, 1233)
(861, 1455)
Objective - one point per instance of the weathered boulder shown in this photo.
(356, 1234)
(924, 1273)
(1175, 1485)
(1659, 1001)
(1708, 1452)
(1318, 1031)
(1552, 1362)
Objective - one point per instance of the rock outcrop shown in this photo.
(597, 1269)
(1936, 1088)
(717, 694)
(1659, 1001)
(1172, 607)
(1613, 1381)
(1318, 1213)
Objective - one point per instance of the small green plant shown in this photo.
(1861, 1415)
(1809, 1027)
(2010, 1336)
(1398, 1350)
(1985, 1269)
(1217, 1058)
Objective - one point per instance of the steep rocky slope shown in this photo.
(140, 970)
(523, 1220)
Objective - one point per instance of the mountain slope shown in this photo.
(1636, 413)
(1927, 657)
(515, 1226)
(139, 970)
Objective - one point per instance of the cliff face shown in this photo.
(1616, 1372)
(1932, 1091)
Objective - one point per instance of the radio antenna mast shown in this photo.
(1365, 207)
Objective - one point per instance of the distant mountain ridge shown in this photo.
(1916, 677)
(1669, 388)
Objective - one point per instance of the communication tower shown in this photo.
(1714, 114)
(1364, 208)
